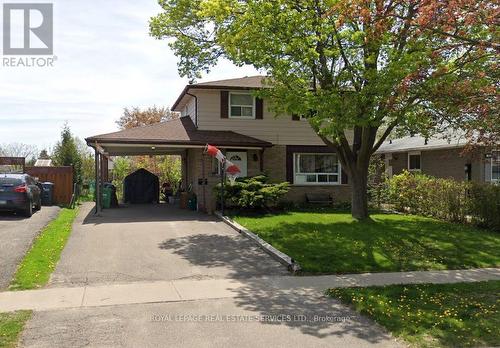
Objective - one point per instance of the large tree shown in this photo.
(135, 117)
(357, 69)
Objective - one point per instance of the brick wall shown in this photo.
(274, 163)
(446, 163)
(339, 193)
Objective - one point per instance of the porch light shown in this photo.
(153, 147)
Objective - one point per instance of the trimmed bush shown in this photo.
(445, 199)
(485, 205)
(253, 192)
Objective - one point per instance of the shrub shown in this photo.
(485, 205)
(445, 199)
(253, 192)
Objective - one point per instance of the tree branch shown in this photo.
(387, 132)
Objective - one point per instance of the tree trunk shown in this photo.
(359, 208)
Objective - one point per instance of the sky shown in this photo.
(106, 61)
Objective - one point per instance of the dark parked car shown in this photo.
(19, 193)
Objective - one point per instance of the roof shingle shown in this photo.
(180, 131)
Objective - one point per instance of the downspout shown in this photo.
(195, 108)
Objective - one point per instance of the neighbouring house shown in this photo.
(440, 157)
(226, 114)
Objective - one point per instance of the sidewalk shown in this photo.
(190, 290)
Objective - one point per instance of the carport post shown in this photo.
(97, 183)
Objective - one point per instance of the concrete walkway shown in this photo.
(191, 290)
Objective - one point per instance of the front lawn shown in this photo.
(11, 325)
(333, 242)
(40, 261)
(430, 315)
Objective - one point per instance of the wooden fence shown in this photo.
(62, 177)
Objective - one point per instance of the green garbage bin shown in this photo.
(106, 197)
(192, 203)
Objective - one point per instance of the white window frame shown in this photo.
(496, 163)
(317, 183)
(414, 153)
(241, 117)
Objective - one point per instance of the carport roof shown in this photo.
(179, 131)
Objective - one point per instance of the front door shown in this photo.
(240, 159)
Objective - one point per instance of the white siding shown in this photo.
(277, 130)
(189, 109)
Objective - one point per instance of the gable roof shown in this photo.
(418, 143)
(243, 83)
(179, 131)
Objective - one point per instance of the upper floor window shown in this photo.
(495, 166)
(414, 161)
(316, 169)
(241, 105)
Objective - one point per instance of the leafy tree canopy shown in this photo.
(135, 117)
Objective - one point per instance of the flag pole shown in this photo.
(222, 176)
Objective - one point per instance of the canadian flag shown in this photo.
(215, 152)
(230, 167)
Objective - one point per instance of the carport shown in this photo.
(178, 136)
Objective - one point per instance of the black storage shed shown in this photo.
(141, 186)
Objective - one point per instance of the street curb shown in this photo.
(290, 263)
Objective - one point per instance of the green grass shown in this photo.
(11, 325)
(430, 315)
(37, 265)
(333, 242)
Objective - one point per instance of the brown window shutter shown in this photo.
(295, 117)
(224, 104)
(259, 108)
(344, 178)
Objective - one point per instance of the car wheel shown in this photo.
(38, 205)
(29, 210)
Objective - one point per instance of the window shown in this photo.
(414, 161)
(316, 169)
(495, 166)
(241, 105)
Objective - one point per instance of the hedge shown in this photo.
(445, 199)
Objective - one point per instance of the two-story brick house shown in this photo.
(226, 114)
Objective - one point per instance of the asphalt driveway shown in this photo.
(156, 242)
(159, 242)
(16, 235)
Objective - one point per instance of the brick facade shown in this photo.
(444, 163)
(274, 165)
